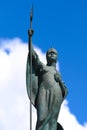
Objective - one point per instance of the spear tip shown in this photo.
(31, 13)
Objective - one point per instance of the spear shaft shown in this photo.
(30, 58)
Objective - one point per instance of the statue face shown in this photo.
(51, 55)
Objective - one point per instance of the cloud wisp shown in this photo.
(14, 102)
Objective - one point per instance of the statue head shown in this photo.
(51, 55)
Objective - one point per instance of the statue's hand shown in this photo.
(56, 77)
(30, 32)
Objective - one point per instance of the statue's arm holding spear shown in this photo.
(32, 53)
(33, 63)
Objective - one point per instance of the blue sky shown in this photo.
(62, 25)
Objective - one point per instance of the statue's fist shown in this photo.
(30, 32)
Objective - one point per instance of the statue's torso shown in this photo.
(48, 85)
(46, 77)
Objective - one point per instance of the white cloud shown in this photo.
(68, 119)
(14, 102)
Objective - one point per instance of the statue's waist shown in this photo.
(49, 82)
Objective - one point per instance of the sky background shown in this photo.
(58, 24)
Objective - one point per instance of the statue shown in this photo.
(48, 90)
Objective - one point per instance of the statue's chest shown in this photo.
(46, 74)
(47, 79)
(47, 70)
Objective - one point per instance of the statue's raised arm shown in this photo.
(36, 63)
(33, 63)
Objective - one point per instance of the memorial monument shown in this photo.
(45, 87)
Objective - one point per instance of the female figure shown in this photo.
(48, 89)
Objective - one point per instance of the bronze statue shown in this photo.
(48, 90)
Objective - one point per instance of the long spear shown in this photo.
(30, 33)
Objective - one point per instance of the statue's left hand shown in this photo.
(56, 77)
